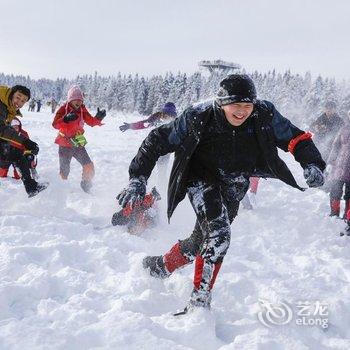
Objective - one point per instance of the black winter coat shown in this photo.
(183, 135)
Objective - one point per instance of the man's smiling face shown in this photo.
(18, 100)
(237, 113)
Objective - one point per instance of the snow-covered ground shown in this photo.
(68, 283)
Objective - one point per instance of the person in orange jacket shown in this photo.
(5, 164)
(69, 121)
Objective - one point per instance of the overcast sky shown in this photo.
(63, 38)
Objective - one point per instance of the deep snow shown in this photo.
(66, 283)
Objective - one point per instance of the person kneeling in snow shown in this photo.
(15, 147)
(218, 146)
(5, 164)
(141, 216)
(69, 120)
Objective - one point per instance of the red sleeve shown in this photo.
(58, 120)
(293, 142)
(144, 124)
(139, 125)
(89, 119)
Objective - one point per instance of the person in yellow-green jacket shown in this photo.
(13, 146)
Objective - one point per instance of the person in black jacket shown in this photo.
(218, 146)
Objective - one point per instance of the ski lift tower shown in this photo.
(219, 66)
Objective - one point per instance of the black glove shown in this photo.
(313, 176)
(70, 117)
(134, 193)
(101, 113)
(124, 127)
(31, 146)
(237, 185)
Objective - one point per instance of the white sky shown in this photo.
(57, 38)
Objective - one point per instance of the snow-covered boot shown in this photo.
(335, 207)
(204, 278)
(200, 298)
(33, 188)
(156, 266)
(86, 185)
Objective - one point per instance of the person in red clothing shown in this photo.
(140, 217)
(6, 164)
(167, 114)
(69, 120)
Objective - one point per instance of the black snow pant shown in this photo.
(210, 240)
(215, 212)
(13, 155)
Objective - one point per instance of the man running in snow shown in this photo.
(12, 144)
(70, 119)
(218, 146)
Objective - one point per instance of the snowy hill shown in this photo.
(68, 283)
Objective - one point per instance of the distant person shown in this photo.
(69, 120)
(325, 128)
(54, 104)
(14, 147)
(339, 170)
(32, 105)
(38, 105)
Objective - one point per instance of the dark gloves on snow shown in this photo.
(135, 192)
(124, 127)
(31, 146)
(313, 176)
(237, 185)
(101, 113)
(70, 117)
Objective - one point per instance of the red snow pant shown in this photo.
(335, 197)
(4, 169)
(254, 183)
